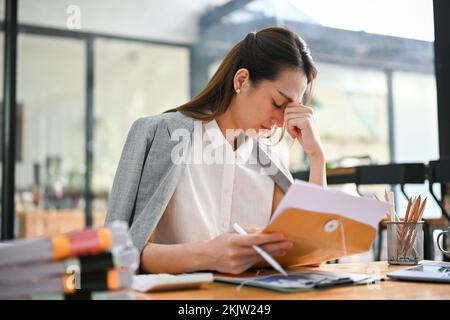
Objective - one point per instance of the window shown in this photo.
(50, 173)
(132, 80)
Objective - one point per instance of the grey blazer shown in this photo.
(146, 176)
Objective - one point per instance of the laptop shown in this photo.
(434, 271)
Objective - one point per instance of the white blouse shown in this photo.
(212, 195)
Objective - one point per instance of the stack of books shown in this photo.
(90, 264)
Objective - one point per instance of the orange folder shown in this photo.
(320, 236)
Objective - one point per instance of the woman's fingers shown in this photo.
(253, 229)
(297, 107)
(292, 129)
(300, 115)
(297, 121)
(270, 248)
(249, 261)
(233, 253)
(292, 126)
(240, 255)
(277, 246)
(258, 238)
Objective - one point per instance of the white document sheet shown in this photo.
(307, 196)
(164, 281)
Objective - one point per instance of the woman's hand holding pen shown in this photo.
(233, 253)
(300, 124)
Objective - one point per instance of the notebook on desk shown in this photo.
(324, 224)
(298, 281)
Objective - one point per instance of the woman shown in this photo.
(180, 212)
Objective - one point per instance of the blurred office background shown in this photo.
(86, 69)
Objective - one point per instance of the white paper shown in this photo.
(147, 282)
(307, 196)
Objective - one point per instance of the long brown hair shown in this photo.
(264, 54)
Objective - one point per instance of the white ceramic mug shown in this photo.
(447, 231)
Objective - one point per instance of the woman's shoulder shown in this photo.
(169, 119)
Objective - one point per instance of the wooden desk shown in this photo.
(388, 289)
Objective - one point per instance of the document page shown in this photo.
(307, 196)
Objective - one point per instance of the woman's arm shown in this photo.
(126, 182)
(174, 258)
(228, 253)
(301, 125)
(317, 171)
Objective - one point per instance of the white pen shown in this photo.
(261, 252)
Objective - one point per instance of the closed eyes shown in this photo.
(277, 105)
